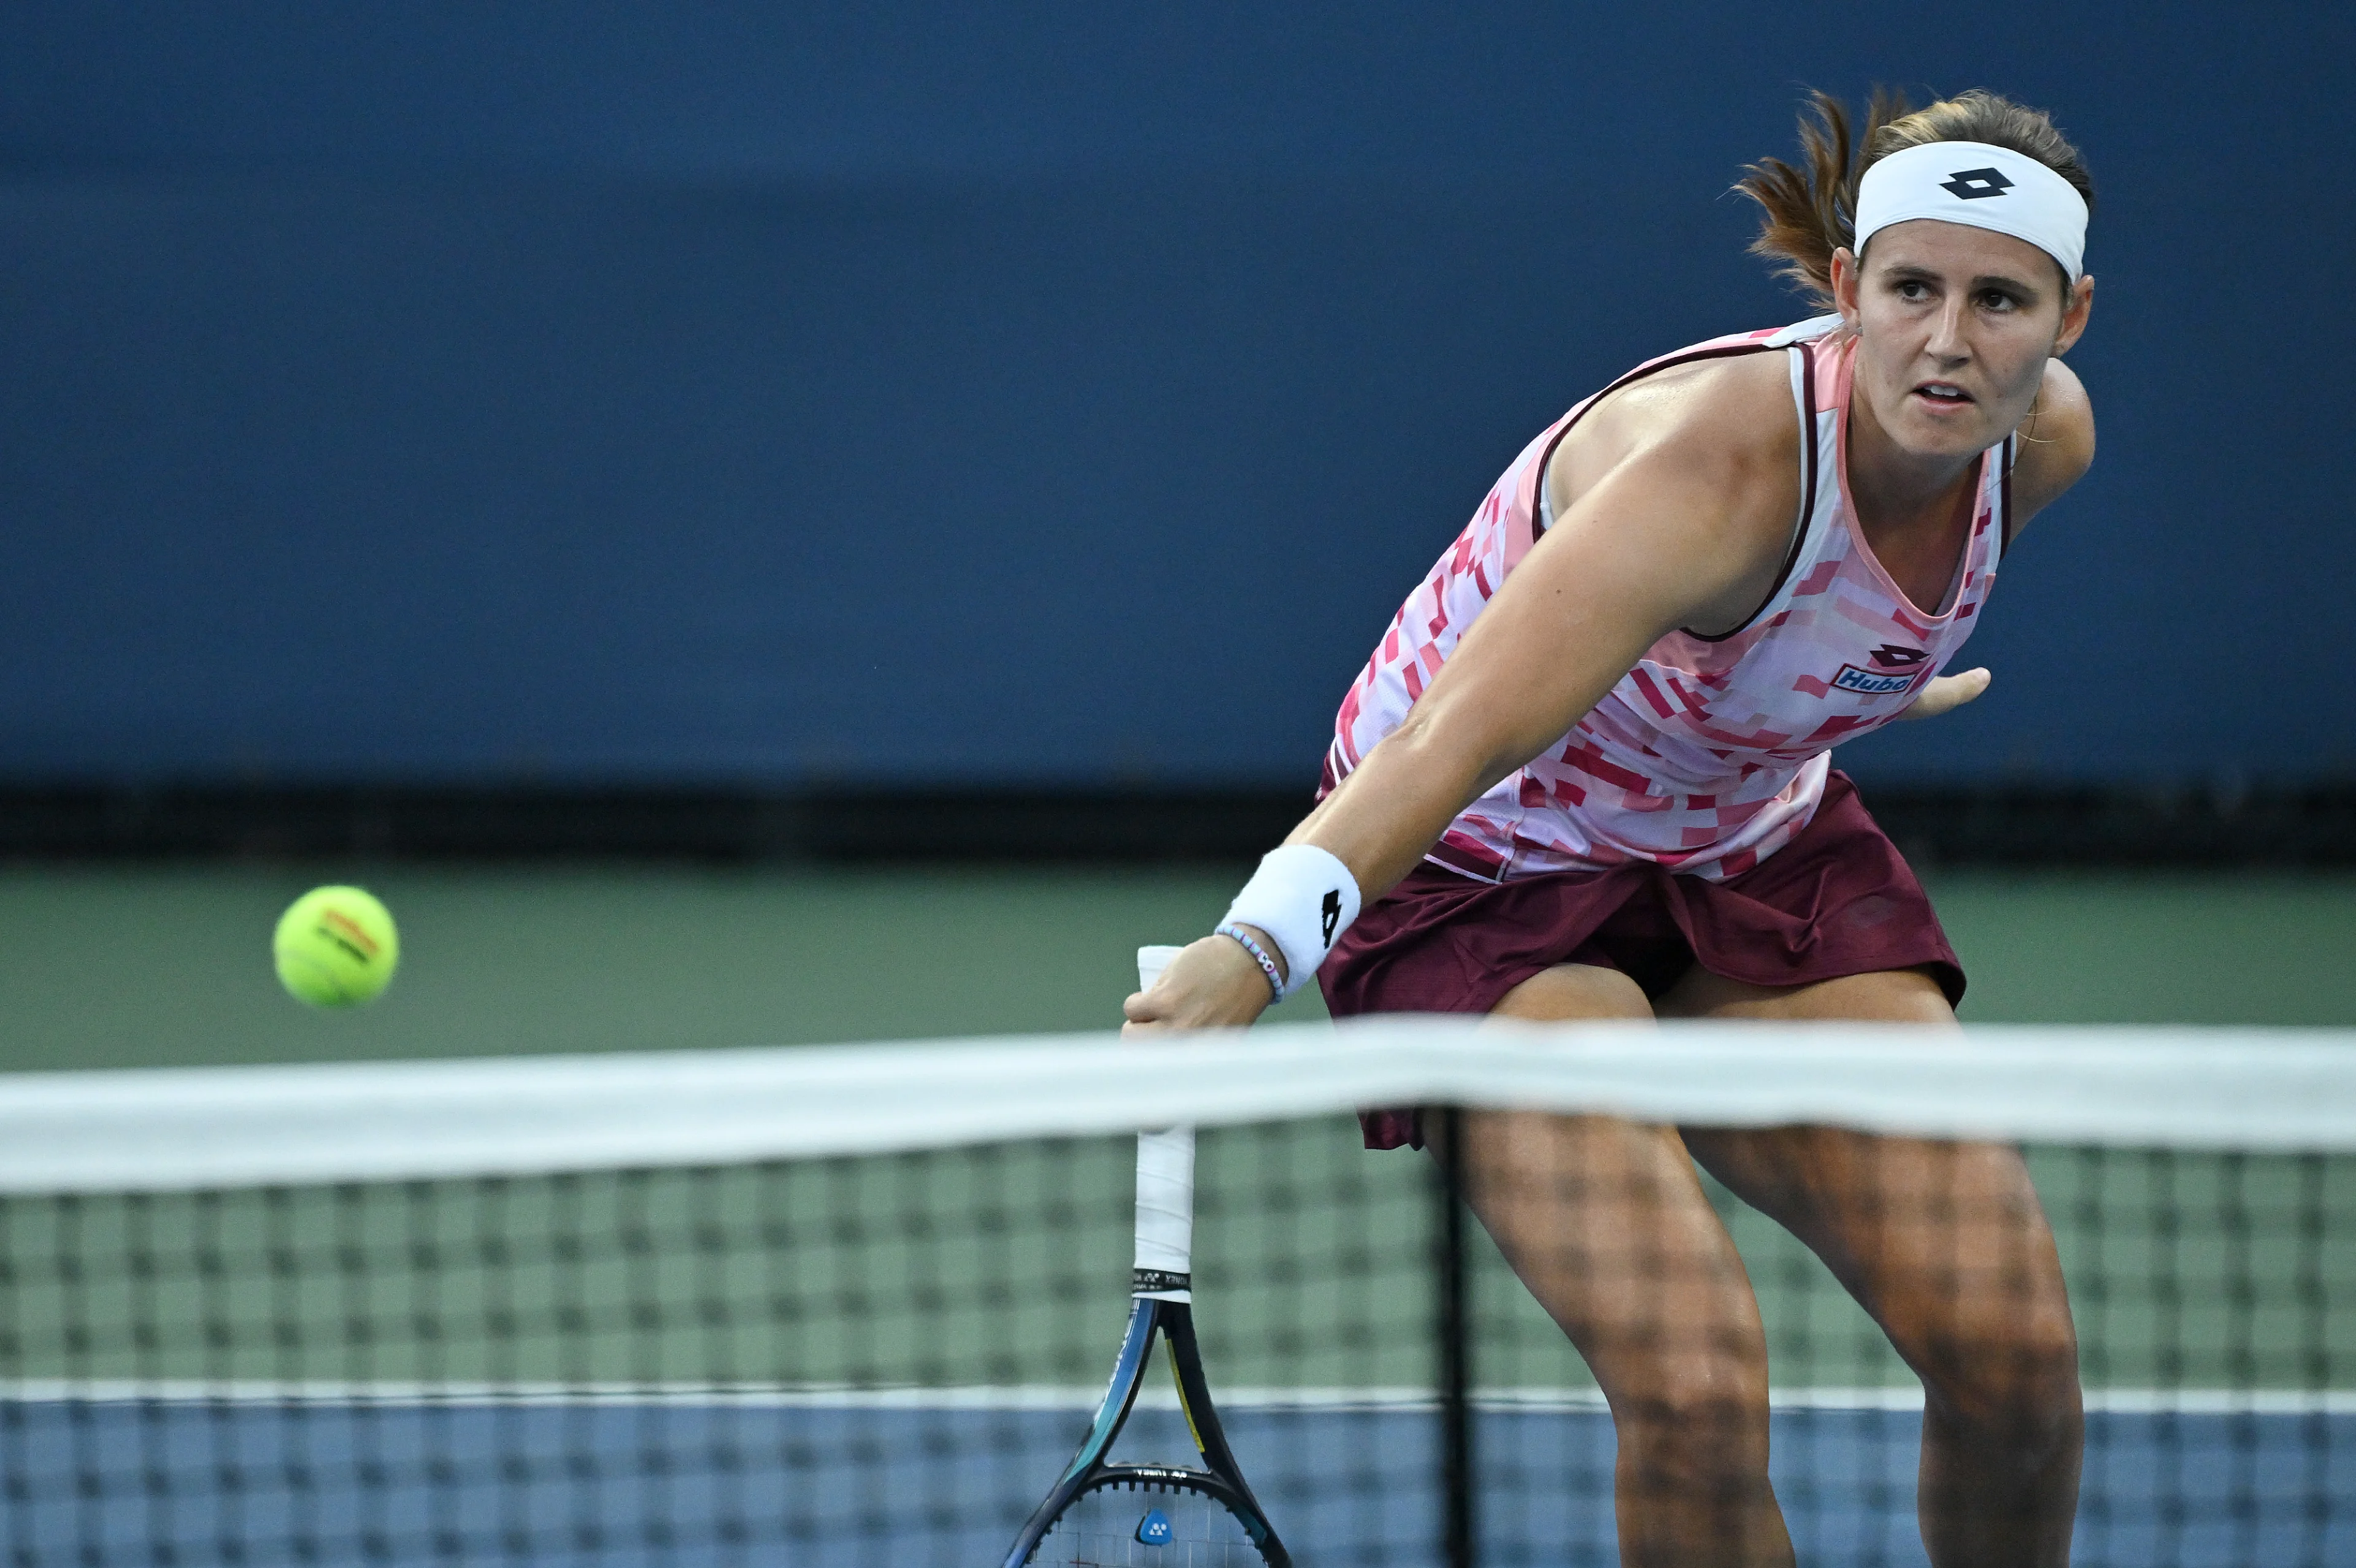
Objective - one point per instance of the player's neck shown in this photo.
(1894, 490)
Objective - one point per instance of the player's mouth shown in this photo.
(1942, 396)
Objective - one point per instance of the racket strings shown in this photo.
(1124, 1526)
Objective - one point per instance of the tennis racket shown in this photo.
(1103, 1515)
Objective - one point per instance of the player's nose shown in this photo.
(1950, 341)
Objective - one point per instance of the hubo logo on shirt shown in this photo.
(1894, 669)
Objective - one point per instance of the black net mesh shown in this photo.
(887, 1360)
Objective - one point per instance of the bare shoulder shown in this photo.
(1694, 472)
(1729, 422)
(2057, 444)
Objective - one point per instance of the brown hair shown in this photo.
(1811, 212)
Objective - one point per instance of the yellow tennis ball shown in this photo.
(335, 947)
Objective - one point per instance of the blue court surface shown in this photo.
(833, 1481)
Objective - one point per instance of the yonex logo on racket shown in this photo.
(1975, 185)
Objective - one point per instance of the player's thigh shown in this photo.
(1945, 1244)
(1605, 1220)
(1572, 991)
(1885, 996)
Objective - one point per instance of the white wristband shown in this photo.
(1304, 898)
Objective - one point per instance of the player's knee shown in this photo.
(2015, 1388)
(1696, 1411)
(1711, 1446)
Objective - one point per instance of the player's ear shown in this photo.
(2073, 320)
(1846, 268)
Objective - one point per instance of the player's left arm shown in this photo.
(2057, 444)
(2057, 447)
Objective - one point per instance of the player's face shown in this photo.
(1955, 326)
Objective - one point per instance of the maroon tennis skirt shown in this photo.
(1838, 899)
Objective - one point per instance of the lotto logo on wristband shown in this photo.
(1303, 898)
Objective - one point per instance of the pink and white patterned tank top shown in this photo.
(1709, 755)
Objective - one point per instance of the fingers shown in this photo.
(1145, 1012)
(1948, 692)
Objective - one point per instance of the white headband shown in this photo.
(1988, 188)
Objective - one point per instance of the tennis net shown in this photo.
(856, 1305)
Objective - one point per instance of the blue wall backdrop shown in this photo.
(1040, 394)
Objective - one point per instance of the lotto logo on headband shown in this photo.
(2039, 205)
(1973, 185)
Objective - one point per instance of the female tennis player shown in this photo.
(1584, 777)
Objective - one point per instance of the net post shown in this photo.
(1454, 1324)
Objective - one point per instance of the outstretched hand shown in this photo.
(1948, 692)
(1212, 983)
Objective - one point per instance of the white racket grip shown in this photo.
(1165, 1184)
(1165, 1202)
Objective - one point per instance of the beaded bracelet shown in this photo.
(1259, 955)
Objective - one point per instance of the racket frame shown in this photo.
(1160, 1306)
(1220, 1479)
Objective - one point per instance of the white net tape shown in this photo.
(2259, 1090)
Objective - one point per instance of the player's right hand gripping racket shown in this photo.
(1104, 1515)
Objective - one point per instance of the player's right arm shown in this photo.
(1685, 523)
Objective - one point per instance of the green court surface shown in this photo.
(116, 967)
(106, 967)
